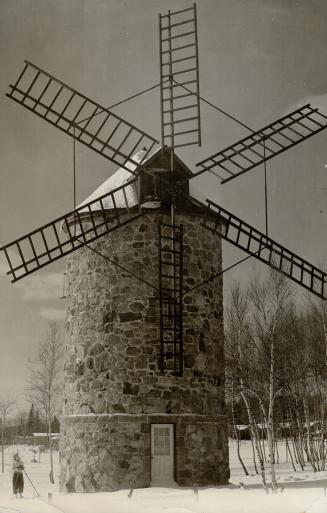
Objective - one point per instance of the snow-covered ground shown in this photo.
(299, 492)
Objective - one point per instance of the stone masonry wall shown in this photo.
(120, 454)
(112, 350)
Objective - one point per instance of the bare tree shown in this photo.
(316, 385)
(239, 361)
(5, 407)
(271, 301)
(45, 373)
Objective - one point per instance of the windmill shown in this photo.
(156, 179)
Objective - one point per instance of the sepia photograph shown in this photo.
(163, 256)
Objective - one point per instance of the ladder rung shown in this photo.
(178, 36)
(176, 12)
(179, 96)
(168, 250)
(178, 48)
(168, 237)
(182, 59)
(169, 225)
(180, 84)
(169, 354)
(166, 299)
(180, 72)
(178, 24)
(179, 121)
(169, 111)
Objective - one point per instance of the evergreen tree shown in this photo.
(30, 424)
(55, 425)
(37, 422)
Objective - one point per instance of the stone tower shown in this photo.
(125, 424)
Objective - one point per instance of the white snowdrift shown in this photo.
(299, 492)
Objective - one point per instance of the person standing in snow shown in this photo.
(17, 478)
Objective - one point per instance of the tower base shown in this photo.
(108, 452)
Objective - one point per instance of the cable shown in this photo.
(248, 128)
(117, 265)
(217, 108)
(224, 270)
(266, 194)
(74, 167)
(121, 101)
(217, 275)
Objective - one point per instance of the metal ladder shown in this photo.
(170, 298)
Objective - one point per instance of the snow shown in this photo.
(299, 492)
(120, 177)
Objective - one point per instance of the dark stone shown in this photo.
(96, 349)
(143, 228)
(136, 306)
(140, 362)
(80, 368)
(118, 408)
(102, 362)
(189, 360)
(129, 316)
(202, 346)
(89, 363)
(123, 464)
(110, 317)
(169, 407)
(132, 351)
(137, 244)
(192, 308)
(130, 389)
(206, 325)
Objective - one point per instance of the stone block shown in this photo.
(136, 306)
(129, 316)
(96, 349)
(130, 389)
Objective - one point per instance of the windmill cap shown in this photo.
(121, 177)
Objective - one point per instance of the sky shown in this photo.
(259, 60)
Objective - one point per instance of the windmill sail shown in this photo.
(179, 78)
(78, 116)
(71, 231)
(244, 236)
(264, 144)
